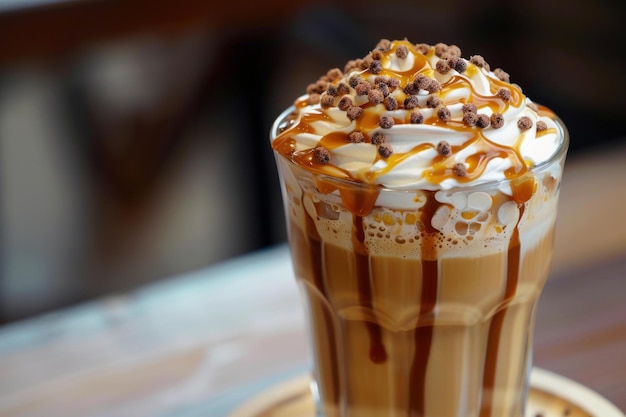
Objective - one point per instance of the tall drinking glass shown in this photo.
(420, 303)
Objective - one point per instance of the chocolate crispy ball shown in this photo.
(321, 155)
(504, 94)
(385, 150)
(356, 137)
(354, 112)
(416, 117)
(459, 169)
(386, 122)
(327, 101)
(391, 103)
(411, 102)
(433, 101)
(524, 123)
(541, 126)
(483, 121)
(376, 96)
(402, 51)
(378, 138)
(444, 148)
(497, 120)
(444, 114)
(442, 66)
(469, 108)
(470, 119)
(345, 103)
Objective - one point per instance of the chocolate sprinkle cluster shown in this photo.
(371, 85)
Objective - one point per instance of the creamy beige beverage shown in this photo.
(420, 190)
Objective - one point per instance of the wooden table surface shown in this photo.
(200, 344)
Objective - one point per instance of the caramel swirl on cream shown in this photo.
(402, 101)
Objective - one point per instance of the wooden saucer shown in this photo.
(550, 396)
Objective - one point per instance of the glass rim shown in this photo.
(555, 157)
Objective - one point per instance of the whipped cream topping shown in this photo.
(418, 117)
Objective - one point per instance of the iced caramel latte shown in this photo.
(420, 192)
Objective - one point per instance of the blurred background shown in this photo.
(134, 134)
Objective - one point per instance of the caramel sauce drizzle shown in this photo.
(442, 167)
(423, 333)
(522, 192)
(377, 351)
(421, 65)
